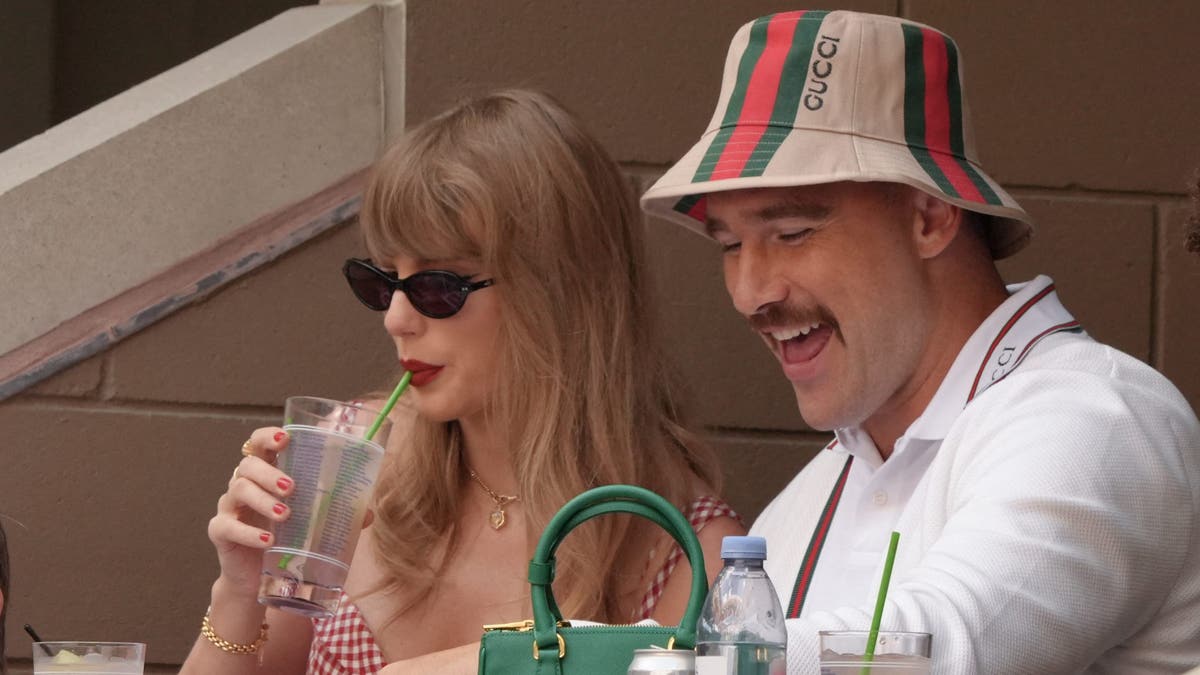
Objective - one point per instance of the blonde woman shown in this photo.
(506, 252)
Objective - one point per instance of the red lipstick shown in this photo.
(422, 373)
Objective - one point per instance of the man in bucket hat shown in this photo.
(1046, 487)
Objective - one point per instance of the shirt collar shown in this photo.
(1000, 344)
(997, 347)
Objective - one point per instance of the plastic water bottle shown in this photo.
(741, 630)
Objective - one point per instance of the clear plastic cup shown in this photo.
(896, 653)
(334, 468)
(89, 658)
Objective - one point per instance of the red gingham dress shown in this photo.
(343, 645)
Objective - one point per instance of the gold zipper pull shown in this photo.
(526, 625)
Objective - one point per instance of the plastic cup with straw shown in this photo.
(873, 635)
(374, 428)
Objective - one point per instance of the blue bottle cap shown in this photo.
(744, 548)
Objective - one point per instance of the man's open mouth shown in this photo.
(801, 343)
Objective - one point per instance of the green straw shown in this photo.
(391, 403)
(387, 408)
(869, 656)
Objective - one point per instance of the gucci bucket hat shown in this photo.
(811, 97)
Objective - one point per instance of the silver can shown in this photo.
(663, 662)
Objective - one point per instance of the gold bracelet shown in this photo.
(224, 645)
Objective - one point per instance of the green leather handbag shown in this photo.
(548, 646)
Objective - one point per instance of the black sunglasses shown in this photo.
(435, 293)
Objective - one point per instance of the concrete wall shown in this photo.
(141, 183)
(61, 57)
(103, 48)
(114, 466)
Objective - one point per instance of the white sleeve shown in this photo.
(1061, 527)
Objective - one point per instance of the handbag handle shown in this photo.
(596, 502)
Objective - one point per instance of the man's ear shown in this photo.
(935, 224)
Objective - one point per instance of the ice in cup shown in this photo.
(89, 658)
(896, 653)
(334, 467)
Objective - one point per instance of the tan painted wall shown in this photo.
(146, 179)
(114, 466)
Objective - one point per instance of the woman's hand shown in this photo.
(462, 660)
(253, 500)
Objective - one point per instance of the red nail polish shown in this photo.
(279, 509)
(265, 537)
(284, 483)
(279, 436)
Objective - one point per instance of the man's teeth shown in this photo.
(788, 334)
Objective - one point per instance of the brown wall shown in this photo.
(26, 58)
(114, 466)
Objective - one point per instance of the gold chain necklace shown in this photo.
(496, 518)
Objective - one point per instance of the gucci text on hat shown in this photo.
(812, 97)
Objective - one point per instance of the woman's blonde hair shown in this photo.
(511, 179)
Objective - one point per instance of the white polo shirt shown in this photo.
(1048, 501)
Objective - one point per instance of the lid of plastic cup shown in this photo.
(744, 548)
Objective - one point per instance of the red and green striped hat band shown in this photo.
(812, 97)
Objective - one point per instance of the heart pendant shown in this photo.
(497, 519)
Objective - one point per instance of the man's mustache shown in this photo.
(776, 315)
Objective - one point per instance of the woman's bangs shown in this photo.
(434, 237)
(410, 209)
